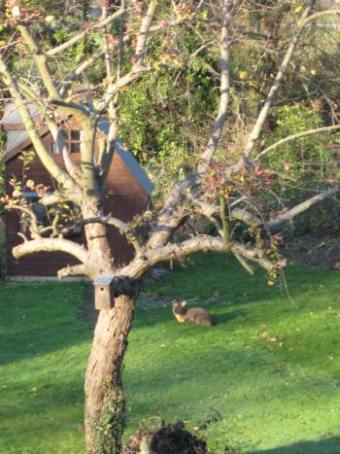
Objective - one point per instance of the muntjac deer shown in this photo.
(196, 315)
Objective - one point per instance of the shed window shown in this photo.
(73, 141)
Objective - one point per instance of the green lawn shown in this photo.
(265, 379)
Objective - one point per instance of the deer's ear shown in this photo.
(184, 303)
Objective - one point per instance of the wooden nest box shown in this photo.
(104, 293)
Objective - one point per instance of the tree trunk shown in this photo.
(105, 416)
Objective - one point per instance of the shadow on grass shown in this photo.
(227, 316)
(324, 446)
(40, 318)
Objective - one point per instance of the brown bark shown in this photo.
(100, 256)
(105, 416)
(104, 400)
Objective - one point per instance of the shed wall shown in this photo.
(124, 199)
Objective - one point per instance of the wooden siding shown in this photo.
(124, 199)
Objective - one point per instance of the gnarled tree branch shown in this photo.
(206, 243)
(75, 270)
(51, 245)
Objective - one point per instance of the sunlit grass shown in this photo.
(43, 353)
(266, 376)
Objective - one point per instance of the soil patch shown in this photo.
(314, 251)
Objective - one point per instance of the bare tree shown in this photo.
(211, 190)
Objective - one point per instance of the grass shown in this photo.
(43, 353)
(265, 379)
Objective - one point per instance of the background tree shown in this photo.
(223, 181)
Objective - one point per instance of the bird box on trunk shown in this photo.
(104, 293)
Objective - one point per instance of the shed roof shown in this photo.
(129, 160)
(103, 280)
(16, 135)
(12, 117)
(135, 169)
(18, 139)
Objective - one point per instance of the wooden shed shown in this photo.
(128, 192)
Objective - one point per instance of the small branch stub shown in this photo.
(104, 293)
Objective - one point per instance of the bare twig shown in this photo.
(143, 34)
(327, 12)
(171, 214)
(138, 68)
(245, 216)
(34, 228)
(107, 47)
(258, 126)
(47, 160)
(122, 227)
(40, 60)
(81, 35)
(224, 87)
(114, 88)
(296, 136)
(256, 255)
(284, 218)
(82, 67)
